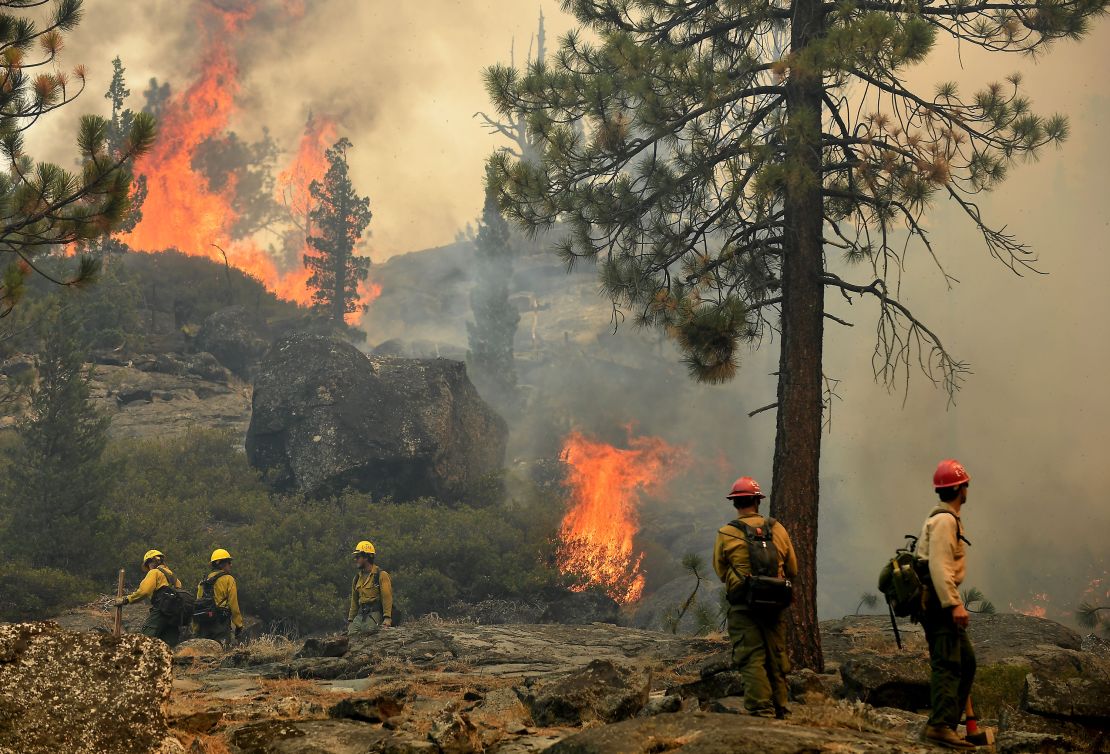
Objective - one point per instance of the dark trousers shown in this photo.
(952, 661)
(218, 631)
(759, 654)
(159, 626)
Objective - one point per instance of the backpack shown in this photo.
(904, 581)
(206, 612)
(762, 590)
(174, 602)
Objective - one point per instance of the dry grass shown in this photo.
(270, 648)
(289, 686)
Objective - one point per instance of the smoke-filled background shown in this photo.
(403, 81)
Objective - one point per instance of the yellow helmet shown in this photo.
(364, 548)
(220, 554)
(151, 554)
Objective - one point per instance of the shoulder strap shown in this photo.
(959, 527)
(210, 582)
(168, 574)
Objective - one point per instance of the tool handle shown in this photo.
(117, 626)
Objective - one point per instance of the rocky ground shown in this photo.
(437, 687)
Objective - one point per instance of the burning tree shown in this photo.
(42, 206)
(714, 154)
(338, 220)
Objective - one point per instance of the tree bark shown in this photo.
(795, 479)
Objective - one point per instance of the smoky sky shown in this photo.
(1031, 421)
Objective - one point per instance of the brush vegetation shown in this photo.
(188, 496)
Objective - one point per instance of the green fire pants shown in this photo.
(366, 622)
(952, 661)
(759, 654)
(158, 626)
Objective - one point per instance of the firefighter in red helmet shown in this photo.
(942, 546)
(755, 559)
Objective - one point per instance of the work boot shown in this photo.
(781, 713)
(942, 735)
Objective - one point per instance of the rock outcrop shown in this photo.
(82, 693)
(600, 692)
(230, 335)
(714, 733)
(326, 417)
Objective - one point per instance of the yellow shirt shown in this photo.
(154, 580)
(366, 589)
(730, 552)
(940, 544)
(226, 593)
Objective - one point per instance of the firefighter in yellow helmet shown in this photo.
(158, 579)
(371, 594)
(217, 611)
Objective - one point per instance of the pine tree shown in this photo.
(338, 220)
(119, 129)
(57, 478)
(491, 334)
(713, 155)
(42, 206)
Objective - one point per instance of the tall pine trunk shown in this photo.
(794, 491)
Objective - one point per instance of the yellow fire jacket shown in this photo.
(731, 548)
(940, 543)
(226, 593)
(366, 589)
(154, 580)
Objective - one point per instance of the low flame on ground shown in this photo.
(606, 484)
(1037, 606)
(181, 212)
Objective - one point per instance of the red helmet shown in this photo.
(745, 486)
(950, 473)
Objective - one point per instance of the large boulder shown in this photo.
(326, 417)
(82, 693)
(887, 681)
(231, 336)
(602, 691)
(1075, 686)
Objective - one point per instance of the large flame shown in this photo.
(606, 484)
(180, 211)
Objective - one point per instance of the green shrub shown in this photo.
(28, 593)
(190, 495)
(997, 687)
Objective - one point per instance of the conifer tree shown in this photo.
(338, 220)
(491, 334)
(712, 156)
(119, 129)
(57, 477)
(42, 206)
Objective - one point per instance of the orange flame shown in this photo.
(308, 165)
(180, 211)
(605, 485)
(1036, 606)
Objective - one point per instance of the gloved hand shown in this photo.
(119, 602)
(238, 632)
(387, 622)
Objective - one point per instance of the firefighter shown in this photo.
(217, 611)
(756, 628)
(371, 594)
(158, 576)
(945, 620)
